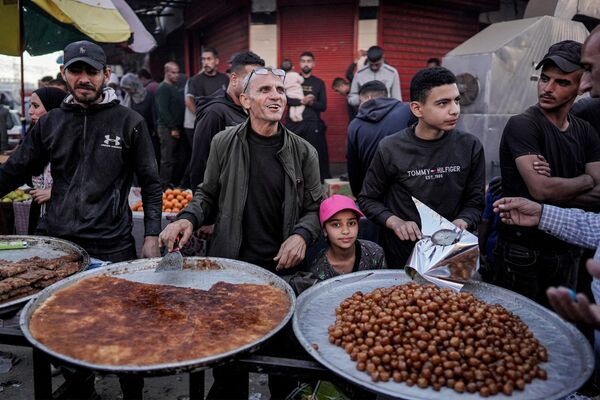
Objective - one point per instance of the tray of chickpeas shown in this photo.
(413, 340)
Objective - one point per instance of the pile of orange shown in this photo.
(173, 201)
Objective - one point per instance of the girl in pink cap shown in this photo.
(339, 217)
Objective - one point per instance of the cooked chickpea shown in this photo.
(428, 336)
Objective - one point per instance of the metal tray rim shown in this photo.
(153, 369)
(16, 304)
(308, 294)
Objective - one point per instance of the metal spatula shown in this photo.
(173, 260)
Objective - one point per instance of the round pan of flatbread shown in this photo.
(127, 318)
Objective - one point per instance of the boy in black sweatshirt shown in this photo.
(431, 161)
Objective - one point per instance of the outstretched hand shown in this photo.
(518, 211)
(576, 308)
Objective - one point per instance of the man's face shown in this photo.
(557, 89)
(172, 74)
(307, 63)
(237, 79)
(84, 82)
(342, 88)
(590, 60)
(264, 98)
(209, 63)
(375, 65)
(441, 108)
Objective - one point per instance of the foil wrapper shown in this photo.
(446, 256)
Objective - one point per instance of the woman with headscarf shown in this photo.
(42, 101)
(139, 99)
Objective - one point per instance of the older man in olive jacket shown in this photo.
(261, 187)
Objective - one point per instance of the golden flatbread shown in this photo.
(112, 321)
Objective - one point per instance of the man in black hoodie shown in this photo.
(378, 116)
(218, 111)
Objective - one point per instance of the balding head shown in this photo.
(590, 60)
(171, 72)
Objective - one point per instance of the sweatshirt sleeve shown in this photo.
(353, 99)
(372, 195)
(146, 170)
(396, 93)
(29, 159)
(320, 103)
(473, 201)
(207, 126)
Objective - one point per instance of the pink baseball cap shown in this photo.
(335, 204)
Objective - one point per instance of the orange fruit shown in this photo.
(176, 210)
(170, 197)
(189, 196)
(184, 202)
(168, 191)
(168, 204)
(176, 191)
(179, 197)
(167, 210)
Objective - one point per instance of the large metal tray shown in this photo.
(40, 246)
(217, 269)
(570, 357)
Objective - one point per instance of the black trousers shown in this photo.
(531, 272)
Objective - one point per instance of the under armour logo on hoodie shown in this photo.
(112, 143)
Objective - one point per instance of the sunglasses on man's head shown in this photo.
(263, 71)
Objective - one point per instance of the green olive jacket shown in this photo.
(221, 198)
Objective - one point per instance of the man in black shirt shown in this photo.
(312, 128)
(218, 111)
(207, 81)
(431, 161)
(528, 260)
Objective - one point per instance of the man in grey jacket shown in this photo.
(375, 70)
(262, 191)
(253, 169)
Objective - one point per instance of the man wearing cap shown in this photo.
(378, 116)
(528, 260)
(375, 70)
(95, 145)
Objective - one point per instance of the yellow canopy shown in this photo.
(9, 28)
(98, 19)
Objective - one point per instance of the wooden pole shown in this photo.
(21, 50)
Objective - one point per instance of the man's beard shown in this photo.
(88, 99)
(209, 71)
(306, 70)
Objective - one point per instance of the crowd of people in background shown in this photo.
(257, 170)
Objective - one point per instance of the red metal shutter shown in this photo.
(411, 33)
(230, 35)
(328, 30)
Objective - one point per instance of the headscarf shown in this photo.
(51, 97)
(131, 81)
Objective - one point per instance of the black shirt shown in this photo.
(588, 109)
(204, 85)
(262, 225)
(446, 174)
(567, 152)
(315, 86)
